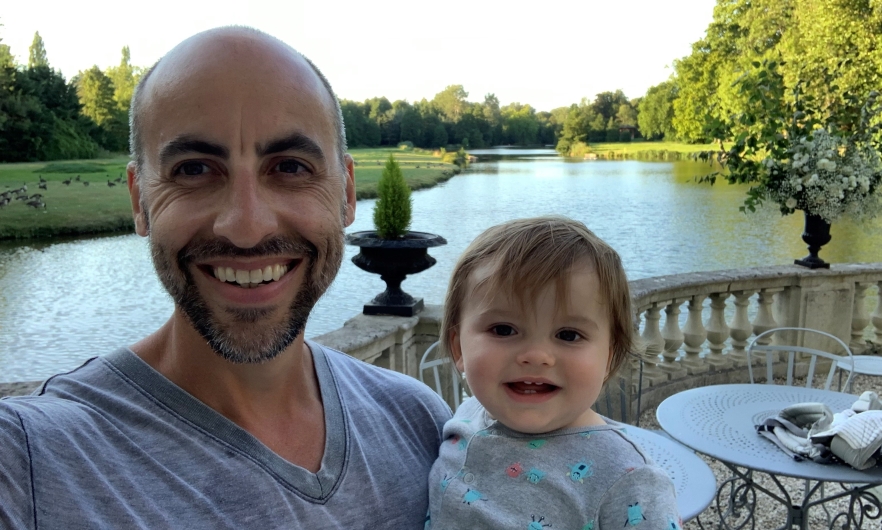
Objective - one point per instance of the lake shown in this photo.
(66, 301)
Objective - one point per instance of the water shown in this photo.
(64, 302)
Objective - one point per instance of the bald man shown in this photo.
(226, 417)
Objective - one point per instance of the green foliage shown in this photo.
(451, 102)
(37, 53)
(393, 207)
(765, 134)
(95, 91)
(39, 117)
(439, 136)
(657, 111)
(72, 167)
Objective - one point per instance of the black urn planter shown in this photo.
(393, 260)
(816, 234)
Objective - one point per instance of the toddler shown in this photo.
(537, 318)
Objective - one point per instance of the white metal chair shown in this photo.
(837, 362)
(443, 370)
(840, 363)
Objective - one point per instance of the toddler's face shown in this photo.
(541, 369)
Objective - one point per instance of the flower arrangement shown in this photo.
(826, 175)
(827, 168)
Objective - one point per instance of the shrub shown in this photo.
(393, 207)
(405, 146)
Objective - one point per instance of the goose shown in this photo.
(110, 184)
(66, 182)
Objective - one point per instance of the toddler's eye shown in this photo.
(568, 335)
(502, 330)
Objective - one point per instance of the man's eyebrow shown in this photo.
(189, 144)
(291, 142)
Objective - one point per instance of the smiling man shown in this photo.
(226, 417)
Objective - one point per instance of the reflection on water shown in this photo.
(64, 302)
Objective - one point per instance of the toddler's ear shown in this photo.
(456, 350)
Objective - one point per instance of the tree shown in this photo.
(626, 115)
(657, 111)
(37, 52)
(451, 102)
(439, 135)
(392, 210)
(124, 78)
(95, 91)
(6, 58)
(607, 104)
(519, 124)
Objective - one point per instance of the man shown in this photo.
(225, 417)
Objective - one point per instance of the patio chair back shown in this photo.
(844, 361)
(438, 371)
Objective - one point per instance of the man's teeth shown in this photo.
(250, 278)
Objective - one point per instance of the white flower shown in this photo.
(790, 203)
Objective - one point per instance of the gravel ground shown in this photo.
(770, 514)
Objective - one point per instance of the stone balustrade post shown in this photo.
(673, 338)
(653, 343)
(694, 335)
(765, 318)
(741, 329)
(877, 317)
(859, 319)
(718, 332)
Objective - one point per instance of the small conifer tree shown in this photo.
(392, 210)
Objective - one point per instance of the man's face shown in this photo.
(242, 193)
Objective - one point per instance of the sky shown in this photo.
(549, 53)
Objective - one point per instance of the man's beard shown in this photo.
(245, 340)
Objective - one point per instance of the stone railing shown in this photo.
(709, 318)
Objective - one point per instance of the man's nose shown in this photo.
(246, 216)
(536, 354)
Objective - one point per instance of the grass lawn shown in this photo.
(645, 150)
(80, 209)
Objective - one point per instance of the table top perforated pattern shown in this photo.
(693, 479)
(719, 421)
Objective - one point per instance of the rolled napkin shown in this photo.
(790, 430)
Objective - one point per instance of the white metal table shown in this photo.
(719, 421)
(693, 480)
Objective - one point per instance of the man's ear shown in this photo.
(350, 189)
(456, 350)
(140, 216)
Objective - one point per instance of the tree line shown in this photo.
(45, 117)
(831, 48)
(449, 119)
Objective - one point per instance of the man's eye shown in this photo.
(289, 166)
(568, 335)
(192, 169)
(502, 330)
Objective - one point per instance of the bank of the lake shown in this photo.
(95, 199)
(640, 150)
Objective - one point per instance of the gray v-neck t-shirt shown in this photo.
(114, 444)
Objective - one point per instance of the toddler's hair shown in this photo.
(525, 255)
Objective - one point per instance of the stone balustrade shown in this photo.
(694, 327)
(725, 309)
